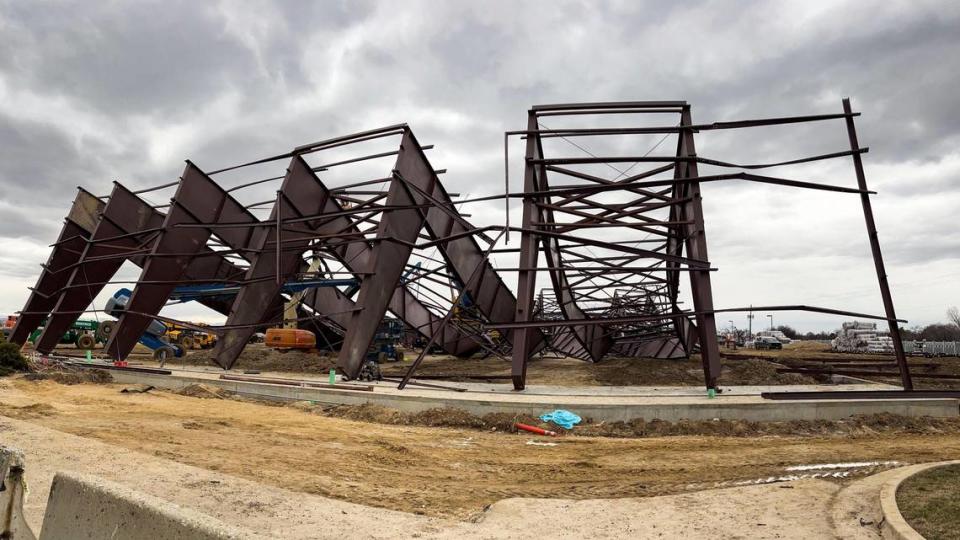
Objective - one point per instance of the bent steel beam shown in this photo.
(415, 185)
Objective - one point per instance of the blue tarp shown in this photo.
(562, 418)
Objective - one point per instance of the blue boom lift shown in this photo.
(154, 338)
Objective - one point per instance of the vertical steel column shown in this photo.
(523, 338)
(875, 249)
(696, 241)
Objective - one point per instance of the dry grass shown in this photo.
(930, 502)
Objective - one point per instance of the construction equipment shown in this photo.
(82, 334)
(8, 325)
(290, 338)
(155, 336)
(384, 347)
(190, 338)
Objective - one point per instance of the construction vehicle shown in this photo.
(190, 338)
(157, 336)
(384, 346)
(286, 339)
(153, 338)
(8, 325)
(83, 334)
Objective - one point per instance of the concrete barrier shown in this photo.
(90, 508)
(13, 489)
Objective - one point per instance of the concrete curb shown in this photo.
(894, 525)
(607, 409)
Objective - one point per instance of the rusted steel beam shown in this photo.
(124, 212)
(696, 244)
(198, 199)
(415, 188)
(885, 295)
(77, 228)
(299, 195)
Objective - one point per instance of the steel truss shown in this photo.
(614, 247)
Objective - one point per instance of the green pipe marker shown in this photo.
(333, 376)
(711, 393)
(89, 356)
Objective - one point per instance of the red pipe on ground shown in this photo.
(534, 429)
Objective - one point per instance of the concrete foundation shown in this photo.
(87, 507)
(681, 404)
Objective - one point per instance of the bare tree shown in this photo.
(953, 315)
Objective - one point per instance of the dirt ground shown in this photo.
(453, 472)
(818, 355)
(608, 372)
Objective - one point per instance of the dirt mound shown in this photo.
(808, 346)
(204, 391)
(266, 359)
(436, 417)
(862, 425)
(689, 372)
(94, 376)
(27, 412)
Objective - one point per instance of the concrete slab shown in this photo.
(671, 405)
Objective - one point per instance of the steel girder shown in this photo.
(108, 247)
(690, 214)
(415, 184)
(303, 194)
(356, 257)
(669, 337)
(122, 235)
(79, 224)
(198, 200)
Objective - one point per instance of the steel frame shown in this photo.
(647, 225)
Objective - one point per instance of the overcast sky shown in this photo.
(92, 92)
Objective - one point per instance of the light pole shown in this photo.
(771, 321)
(750, 322)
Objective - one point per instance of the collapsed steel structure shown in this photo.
(614, 246)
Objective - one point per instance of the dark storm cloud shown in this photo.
(91, 92)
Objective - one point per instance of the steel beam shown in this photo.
(110, 245)
(77, 228)
(198, 199)
(695, 237)
(875, 250)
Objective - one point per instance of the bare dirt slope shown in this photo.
(434, 471)
(795, 510)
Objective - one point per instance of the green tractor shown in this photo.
(83, 334)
